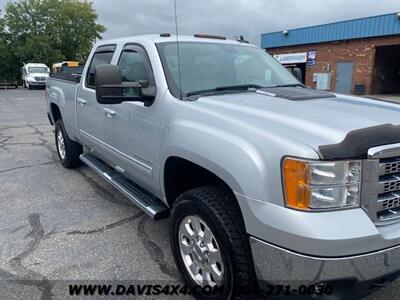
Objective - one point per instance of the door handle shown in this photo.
(110, 113)
(81, 101)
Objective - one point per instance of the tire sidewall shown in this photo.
(72, 149)
(192, 206)
(60, 128)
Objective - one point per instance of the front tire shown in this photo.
(210, 244)
(68, 151)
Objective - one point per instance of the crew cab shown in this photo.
(266, 182)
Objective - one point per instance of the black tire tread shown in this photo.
(72, 149)
(225, 207)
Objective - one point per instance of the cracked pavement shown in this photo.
(59, 225)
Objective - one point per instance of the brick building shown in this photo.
(359, 56)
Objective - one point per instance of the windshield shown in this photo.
(37, 70)
(208, 66)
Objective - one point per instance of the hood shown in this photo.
(313, 122)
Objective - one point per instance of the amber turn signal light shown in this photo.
(295, 179)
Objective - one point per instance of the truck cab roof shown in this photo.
(161, 38)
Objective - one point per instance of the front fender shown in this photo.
(248, 168)
(242, 165)
(247, 158)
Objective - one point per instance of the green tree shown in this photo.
(8, 59)
(48, 31)
(74, 27)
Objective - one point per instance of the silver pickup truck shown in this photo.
(266, 182)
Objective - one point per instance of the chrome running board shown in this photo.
(150, 204)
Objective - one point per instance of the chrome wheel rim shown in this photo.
(60, 144)
(200, 252)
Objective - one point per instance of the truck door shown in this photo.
(89, 111)
(130, 129)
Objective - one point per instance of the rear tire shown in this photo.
(68, 151)
(218, 212)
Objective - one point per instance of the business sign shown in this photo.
(291, 58)
(312, 58)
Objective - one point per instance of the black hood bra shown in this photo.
(357, 142)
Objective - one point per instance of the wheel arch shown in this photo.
(55, 112)
(180, 174)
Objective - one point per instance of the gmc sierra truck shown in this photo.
(266, 182)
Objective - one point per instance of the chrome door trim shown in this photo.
(145, 167)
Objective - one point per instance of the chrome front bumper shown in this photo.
(276, 265)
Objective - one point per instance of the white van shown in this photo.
(34, 74)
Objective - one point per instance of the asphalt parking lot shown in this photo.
(58, 225)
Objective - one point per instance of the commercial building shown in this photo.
(359, 56)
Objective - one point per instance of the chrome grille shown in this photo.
(381, 183)
(390, 201)
(390, 184)
(40, 78)
(389, 166)
(388, 192)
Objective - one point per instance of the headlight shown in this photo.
(317, 185)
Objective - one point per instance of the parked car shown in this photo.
(34, 75)
(265, 181)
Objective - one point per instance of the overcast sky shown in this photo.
(231, 18)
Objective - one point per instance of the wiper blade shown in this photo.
(188, 94)
(243, 87)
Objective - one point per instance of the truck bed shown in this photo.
(62, 92)
(67, 77)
